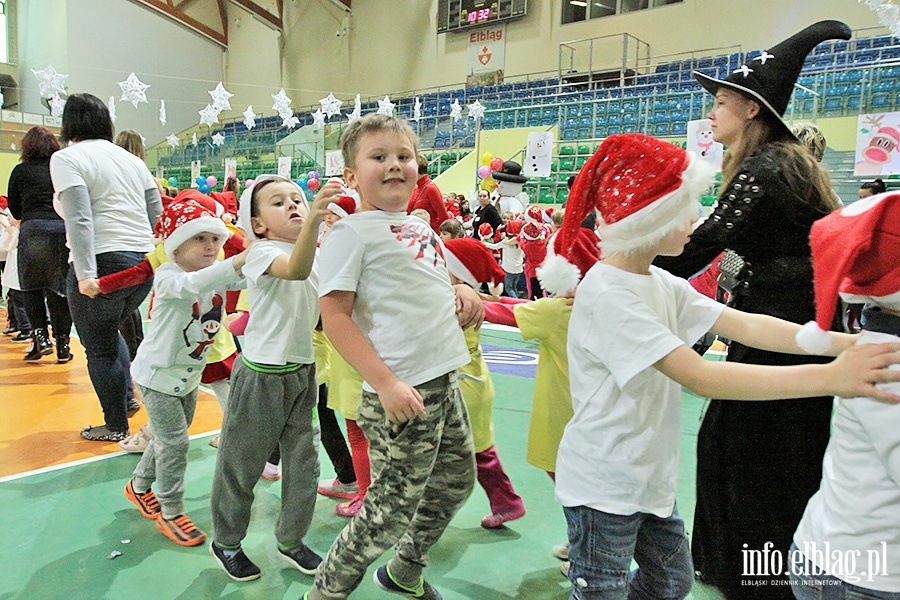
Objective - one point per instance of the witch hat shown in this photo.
(770, 77)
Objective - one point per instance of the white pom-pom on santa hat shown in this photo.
(812, 339)
(559, 275)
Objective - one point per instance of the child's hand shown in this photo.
(238, 260)
(856, 371)
(469, 307)
(327, 194)
(401, 402)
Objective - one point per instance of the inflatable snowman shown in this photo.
(509, 188)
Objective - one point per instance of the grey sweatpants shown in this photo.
(165, 459)
(266, 410)
(422, 473)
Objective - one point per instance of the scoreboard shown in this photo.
(454, 15)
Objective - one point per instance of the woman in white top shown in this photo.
(110, 204)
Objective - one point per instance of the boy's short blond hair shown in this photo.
(422, 214)
(453, 228)
(558, 216)
(372, 123)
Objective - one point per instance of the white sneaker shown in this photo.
(271, 472)
(561, 551)
(564, 568)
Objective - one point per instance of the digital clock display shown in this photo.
(454, 15)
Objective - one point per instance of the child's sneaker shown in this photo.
(146, 502)
(423, 590)
(102, 433)
(349, 509)
(138, 442)
(214, 441)
(336, 489)
(181, 530)
(497, 519)
(235, 563)
(561, 551)
(302, 558)
(22, 337)
(564, 568)
(271, 472)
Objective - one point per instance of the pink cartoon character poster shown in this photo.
(877, 139)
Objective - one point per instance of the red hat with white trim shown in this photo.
(182, 220)
(533, 231)
(485, 231)
(343, 207)
(534, 214)
(514, 228)
(470, 260)
(856, 254)
(559, 275)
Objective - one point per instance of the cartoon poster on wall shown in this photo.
(877, 138)
(334, 163)
(700, 142)
(195, 173)
(539, 154)
(284, 166)
(230, 168)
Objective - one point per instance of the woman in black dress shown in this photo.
(43, 256)
(759, 462)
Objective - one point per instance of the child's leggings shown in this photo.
(359, 448)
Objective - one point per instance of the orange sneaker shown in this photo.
(146, 503)
(181, 530)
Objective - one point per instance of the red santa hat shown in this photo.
(533, 231)
(470, 260)
(485, 231)
(207, 202)
(534, 214)
(856, 254)
(343, 207)
(558, 275)
(182, 220)
(643, 188)
(514, 228)
(548, 215)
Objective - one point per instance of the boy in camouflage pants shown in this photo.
(389, 309)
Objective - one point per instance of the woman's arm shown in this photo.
(80, 230)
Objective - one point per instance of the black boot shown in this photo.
(63, 353)
(41, 346)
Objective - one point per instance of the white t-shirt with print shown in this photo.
(116, 181)
(619, 453)
(405, 305)
(283, 313)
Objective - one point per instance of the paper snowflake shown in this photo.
(162, 112)
(56, 106)
(249, 118)
(143, 141)
(50, 82)
(289, 120)
(218, 139)
(476, 110)
(193, 139)
(386, 107)
(330, 105)
(220, 97)
(456, 110)
(417, 110)
(209, 115)
(888, 14)
(357, 110)
(111, 105)
(282, 102)
(133, 90)
(319, 118)
(173, 140)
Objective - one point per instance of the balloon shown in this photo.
(304, 184)
(204, 189)
(201, 180)
(248, 183)
(484, 171)
(312, 175)
(313, 184)
(211, 181)
(488, 184)
(496, 164)
(173, 181)
(486, 158)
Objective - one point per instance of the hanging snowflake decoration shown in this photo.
(173, 140)
(50, 82)
(386, 107)
(455, 110)
(133, 90)
(357, 110)
(193, 139)
(249, 118)
(218, 139)
(220, 97)
(282, 102)
(209, 115)
(888, 14)
(111, 105)
(289, 120)
(56, 106)
(476, 110)
(319, 118)
(417, 110)
(331, 106)
(162, 112)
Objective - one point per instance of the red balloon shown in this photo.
(313, 184)
(496, 164)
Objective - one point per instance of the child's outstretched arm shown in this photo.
(401, 401)
(771, 333)
(299, 264)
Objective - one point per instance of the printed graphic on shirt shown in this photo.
(423, 240)
(209, 327)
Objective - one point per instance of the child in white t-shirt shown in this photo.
(629, 347)
(273, 387)
(855, 515)
(189, 298)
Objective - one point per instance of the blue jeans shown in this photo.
(602, 546)
(511, 284)
(809, 586)
(97, 322)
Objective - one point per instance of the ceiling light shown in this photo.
(581, 3)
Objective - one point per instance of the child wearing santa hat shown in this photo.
(533, 242)
(629, 350)
(856, 255)
(187, 313)
(470, 262)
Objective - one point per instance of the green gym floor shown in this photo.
(62, 523)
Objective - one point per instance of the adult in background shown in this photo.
(42, 254)
(109, 203)
(485, 213)
(759, 463)
(428, 197)
(870, 188)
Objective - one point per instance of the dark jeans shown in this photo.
(97, 321)
(37, 311)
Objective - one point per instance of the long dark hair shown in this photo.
(39, 142)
